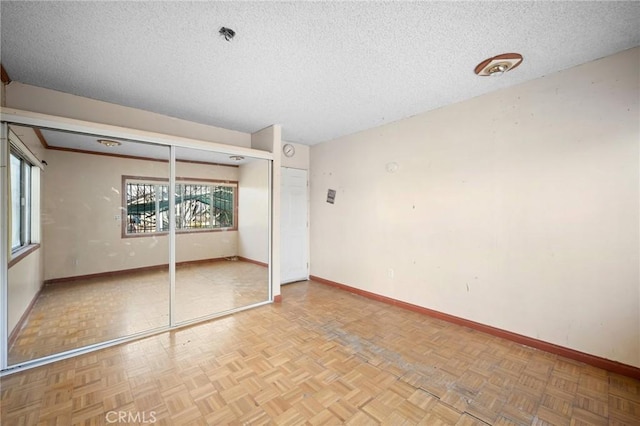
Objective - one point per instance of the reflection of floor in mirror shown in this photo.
(79, 313)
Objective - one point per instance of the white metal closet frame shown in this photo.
(36, 120)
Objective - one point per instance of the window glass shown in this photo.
(20, 202)
(141, 207)
(26, 204)
(16, 195)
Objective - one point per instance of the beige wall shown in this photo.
(253, 220)
(517, 209)
(24, 283)
(300, 159)
(45, 101)
(82, 199)
(270, 139)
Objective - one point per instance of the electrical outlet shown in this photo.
(390, 273)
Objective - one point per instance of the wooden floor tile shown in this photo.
(321, 357)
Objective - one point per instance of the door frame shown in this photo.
(307, 233)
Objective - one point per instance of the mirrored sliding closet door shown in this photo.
(114, 238)
(91, 263)
(222, 233)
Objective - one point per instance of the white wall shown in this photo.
(518, 209)
(81, 201)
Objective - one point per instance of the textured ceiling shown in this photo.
(321, 70)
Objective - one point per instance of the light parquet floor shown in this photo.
(322, 356)
(73, 314)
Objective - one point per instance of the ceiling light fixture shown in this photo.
(498, 65)
(236, 157)
(227, 33)
(109, 142)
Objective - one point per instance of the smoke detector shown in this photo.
(498, 65)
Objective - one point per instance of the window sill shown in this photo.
(182, 232)
(23, 252)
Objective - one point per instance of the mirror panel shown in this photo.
(90, 280)
(222, 233)
(90, 243)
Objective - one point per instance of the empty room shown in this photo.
(320, 213)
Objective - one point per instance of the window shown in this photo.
(21, 200)
(199, 206)
(147, 207)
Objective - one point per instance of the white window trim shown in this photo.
(19, 146)
(35, 166)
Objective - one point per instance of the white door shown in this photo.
(294, 264)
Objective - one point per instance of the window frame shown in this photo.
(28, 161)
(26, 194)
(179, 181)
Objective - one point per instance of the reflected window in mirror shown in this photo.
(200, 205)
(24, 195)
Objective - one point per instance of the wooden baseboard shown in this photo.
(255, 262)
(596, 361)
(132, 270)
(23, 319)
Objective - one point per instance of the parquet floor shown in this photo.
(322, 356)
(74, 314)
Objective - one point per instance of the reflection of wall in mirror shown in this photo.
(83, 210)
(253, 211)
